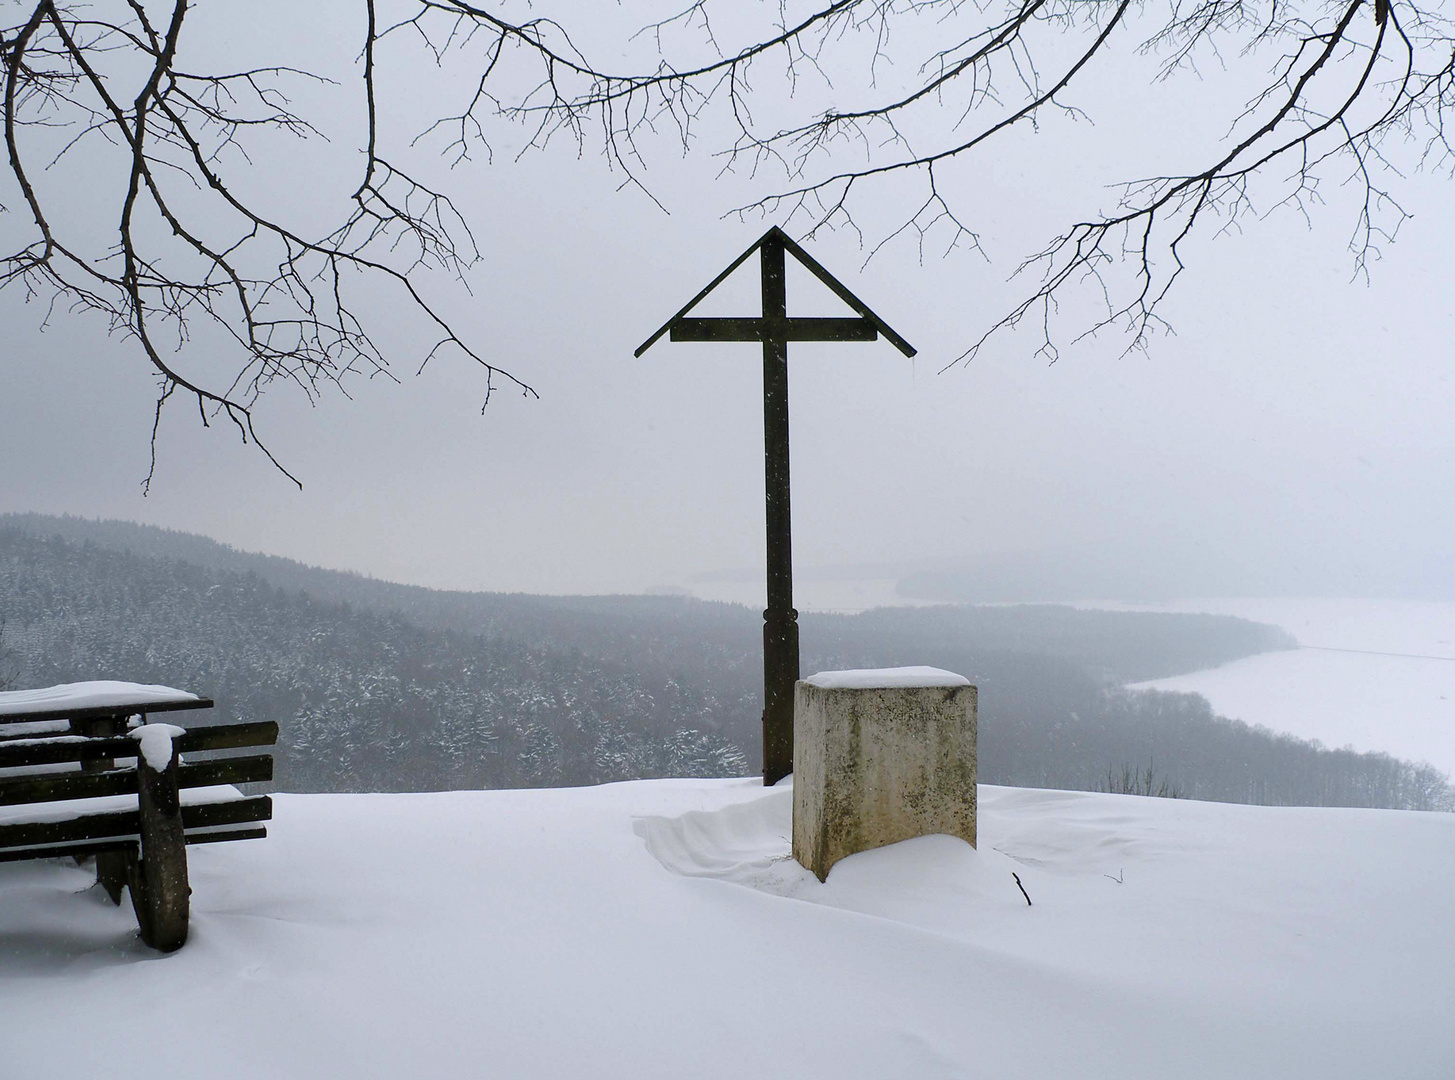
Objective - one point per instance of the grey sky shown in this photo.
(1294, 436)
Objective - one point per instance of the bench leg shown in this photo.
(158, 879)
(111, 866)
(111, 873)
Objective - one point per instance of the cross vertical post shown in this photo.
(774, 329)
(780, 620)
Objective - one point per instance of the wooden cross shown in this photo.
(775, 329)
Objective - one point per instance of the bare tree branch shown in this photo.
(291, 306)
(1352, 76)
(1358, 90)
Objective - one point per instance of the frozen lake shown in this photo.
(1372, 674)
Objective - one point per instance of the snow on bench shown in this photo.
(67, 700)
(82, 773)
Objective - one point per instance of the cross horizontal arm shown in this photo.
(796, 329)
(714, 283)
(841, 290)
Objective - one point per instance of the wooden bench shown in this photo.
(83, 773)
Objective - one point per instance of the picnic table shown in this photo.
(85, 772)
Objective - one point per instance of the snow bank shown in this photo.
(89, 695)
(657, 929)
(885, 678)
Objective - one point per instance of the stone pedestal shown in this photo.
(880, 756)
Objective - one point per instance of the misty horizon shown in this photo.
(1291, 435)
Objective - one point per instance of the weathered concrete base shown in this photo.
(876, 764)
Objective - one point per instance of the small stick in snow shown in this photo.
(1021, 887)
(1117, 879)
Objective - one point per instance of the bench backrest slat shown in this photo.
(66, 748)
(39, 730)
(125, 824)
(53, 787)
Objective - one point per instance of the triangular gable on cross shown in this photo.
(867, 327)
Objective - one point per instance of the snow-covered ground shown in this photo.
(1374, 674)
(657, 929)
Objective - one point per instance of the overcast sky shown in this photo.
(1295, 436)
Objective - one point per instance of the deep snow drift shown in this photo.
(658, 929)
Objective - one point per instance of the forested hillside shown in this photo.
(670, 635)
(387, 687)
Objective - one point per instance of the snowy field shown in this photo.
(1374, 674)
(657, 929)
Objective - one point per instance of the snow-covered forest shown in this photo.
(381, 687)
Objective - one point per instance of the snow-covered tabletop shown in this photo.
(94, 698)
